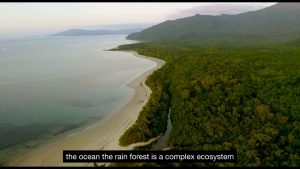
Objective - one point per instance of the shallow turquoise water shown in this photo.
(51, 85)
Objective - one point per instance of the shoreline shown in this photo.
(101, 136)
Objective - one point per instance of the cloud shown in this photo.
(219, 9)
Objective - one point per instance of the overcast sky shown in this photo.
(28, 19)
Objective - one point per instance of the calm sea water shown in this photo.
(51, 85)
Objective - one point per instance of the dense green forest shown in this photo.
(224, 96)
(232, 82)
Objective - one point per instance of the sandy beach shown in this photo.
(101, 136)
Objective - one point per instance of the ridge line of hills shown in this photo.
(84, 32)
(279, 22)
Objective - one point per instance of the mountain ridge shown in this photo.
(85, 32)
(277, 22)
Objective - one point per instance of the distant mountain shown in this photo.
(219, 9)
(83, 32)
(128, 31)
(280, 22)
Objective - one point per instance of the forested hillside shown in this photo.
(279, 22)
(232, 83)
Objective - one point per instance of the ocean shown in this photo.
(53, 86)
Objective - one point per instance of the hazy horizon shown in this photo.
(38, 19)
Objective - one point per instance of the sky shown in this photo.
(35, 19)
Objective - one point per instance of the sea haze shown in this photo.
(51, 85)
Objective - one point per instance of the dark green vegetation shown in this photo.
(232, 83)
(279, 22)
(225, 97)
